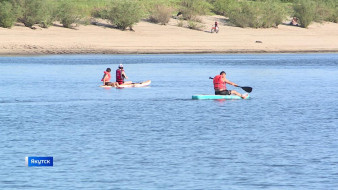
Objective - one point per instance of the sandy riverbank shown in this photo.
(154, 38)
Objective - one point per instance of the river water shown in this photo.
(284, 137)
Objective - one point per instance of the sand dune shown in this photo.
(154, 38)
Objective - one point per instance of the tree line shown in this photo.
(125, 13)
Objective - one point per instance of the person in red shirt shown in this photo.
(220, 82)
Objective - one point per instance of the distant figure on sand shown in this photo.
(106, 79)
(294, 21)
(121, 75)
(215, 28)
(220, 82)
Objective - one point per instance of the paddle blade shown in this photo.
(247, 89)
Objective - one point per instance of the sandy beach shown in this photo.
(149, 38)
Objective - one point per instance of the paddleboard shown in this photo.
(217, 97)
(130, 85)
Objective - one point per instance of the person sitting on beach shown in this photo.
(106, 79)
(294, 21)
(121, 75)
(216, 24)
(220, 82)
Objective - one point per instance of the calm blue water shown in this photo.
(285, 137)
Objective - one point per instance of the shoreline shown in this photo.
(109, 52)
(149, 38)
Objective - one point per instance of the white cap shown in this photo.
(120, 66)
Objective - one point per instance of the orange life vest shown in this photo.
(106, 74)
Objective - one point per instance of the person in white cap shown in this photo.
(121, 75)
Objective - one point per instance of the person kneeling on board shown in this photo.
(220, 87)
(106, 79)
(121, 75)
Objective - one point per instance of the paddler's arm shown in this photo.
(124, 75)
(231, 83)
(104, 79)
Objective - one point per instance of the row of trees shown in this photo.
(42, 12)
(125, 13)
(271, 13)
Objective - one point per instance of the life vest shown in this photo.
(119, 77)
(106, 74)
(219, 85)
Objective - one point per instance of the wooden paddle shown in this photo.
(245, 88)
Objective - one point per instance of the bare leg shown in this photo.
(113, 84)
(238, 94)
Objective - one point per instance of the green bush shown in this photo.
(68, 13)
(88, 8)
(35, 12)
(264, 14)
(125, 14)
(305, 11)
(161, 14)
(194, 25)
(7, 14)
(192, 8)
(17, 7)
(287, 1)
(48, 15)
(223, 7)
(31, 12)
(101, 12)
(272, 13)
(334, 16)
(326, 10)
(243, 15)
(149, 5)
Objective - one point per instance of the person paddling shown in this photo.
(106, 79)
(121, 75)
(220, 82)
